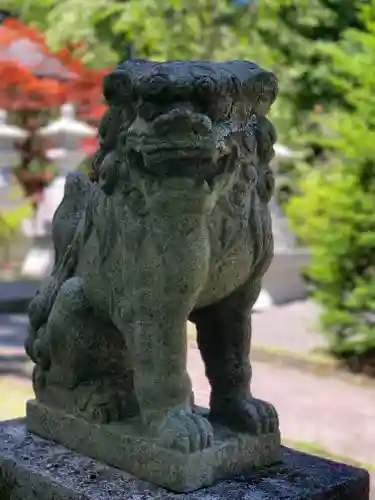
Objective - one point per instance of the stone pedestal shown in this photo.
(124, 445)
(32, 468)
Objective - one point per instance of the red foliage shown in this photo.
(32, 77)
(90, 145)
(13, 28)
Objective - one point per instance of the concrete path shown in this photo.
(13, 359)
(292, 327)
(329, 413)
(15, 296)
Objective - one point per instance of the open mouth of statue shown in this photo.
(166, 159)
(175, 151)
(153, 154)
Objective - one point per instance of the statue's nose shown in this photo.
(182, 122)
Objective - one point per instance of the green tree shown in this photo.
(159, 29)
(335, 212)
(72, 21)
(288, 36)
(114, 30)
(294, 36)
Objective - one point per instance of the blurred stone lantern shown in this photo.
(9, 155)
(66, 134)
(283, 281)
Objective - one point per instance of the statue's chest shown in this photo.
(233, 248)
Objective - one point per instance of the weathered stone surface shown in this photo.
(32, 468)
(126, 447)
(173, 225)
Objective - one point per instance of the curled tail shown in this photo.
(71, 226)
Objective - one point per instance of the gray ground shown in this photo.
(327, 412)
(292, 327)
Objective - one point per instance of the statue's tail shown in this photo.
(41, 305)
(74, 215)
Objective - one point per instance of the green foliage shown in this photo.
(10, 221)
(159, 29)
(297, 34)
(114, 30)
(335, 212)
(288, 36)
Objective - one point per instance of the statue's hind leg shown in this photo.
(224, 337)
(88, 371)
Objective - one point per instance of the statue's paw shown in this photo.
(248, 415)
(257, 416)
(184, 431)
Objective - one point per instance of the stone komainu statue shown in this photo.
(176, 228)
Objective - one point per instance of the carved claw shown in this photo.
(248, 415)
(184, 431)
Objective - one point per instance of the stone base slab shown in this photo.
(32, 468)
(123, 446)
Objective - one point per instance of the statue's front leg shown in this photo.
(153, 322)
(224, 337)
(162, 384)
